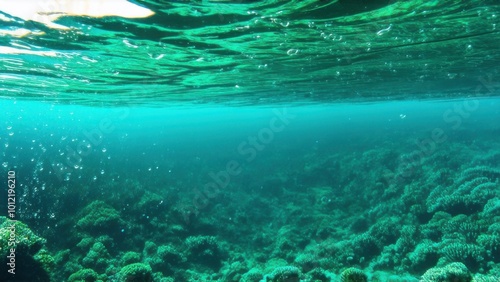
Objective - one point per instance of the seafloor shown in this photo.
(392, 212)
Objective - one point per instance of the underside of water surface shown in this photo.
(254, 141)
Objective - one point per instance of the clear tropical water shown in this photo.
(250, 141)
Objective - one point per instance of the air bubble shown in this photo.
(385, 30)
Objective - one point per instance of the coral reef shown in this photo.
(86, 275)
(22, 252)
(332, 215)
(253, 275)
(99, 218)
(205, 250)
(468, 194)
(284, 274)
(129, 258)
(136, 272)
(97, 258)
(456, 272)
(353, 275)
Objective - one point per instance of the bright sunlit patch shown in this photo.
(20, 32)
(10, 50)
(9, 77)
(48, 11)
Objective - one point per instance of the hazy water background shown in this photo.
(62, 145)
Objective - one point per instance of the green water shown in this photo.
(250, 141)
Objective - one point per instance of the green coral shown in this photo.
(83, 275)
(205, 250)
(353, 275)
(149, 202)
(170, 254)
(85, 243)
(68, 269)
(492, 208)
(165, 259)
(365, 247)
(45, 259)
(32, 262)
(62, 256)
(485, 278)
(491, 243)
(285, 274)
(99, 217)
(136, 272)
(318, 275)
(470, 254)
(453, 272)
(130, 257)
(233, 271)
(97, 258)
(197, 244)
(468, 194)
(273, 264)
(424, 256)
(253, 275)
(26, 241)
(149, 248)
(306, 261)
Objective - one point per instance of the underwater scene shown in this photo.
(250, 140)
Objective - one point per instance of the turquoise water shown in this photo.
(250, 141)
